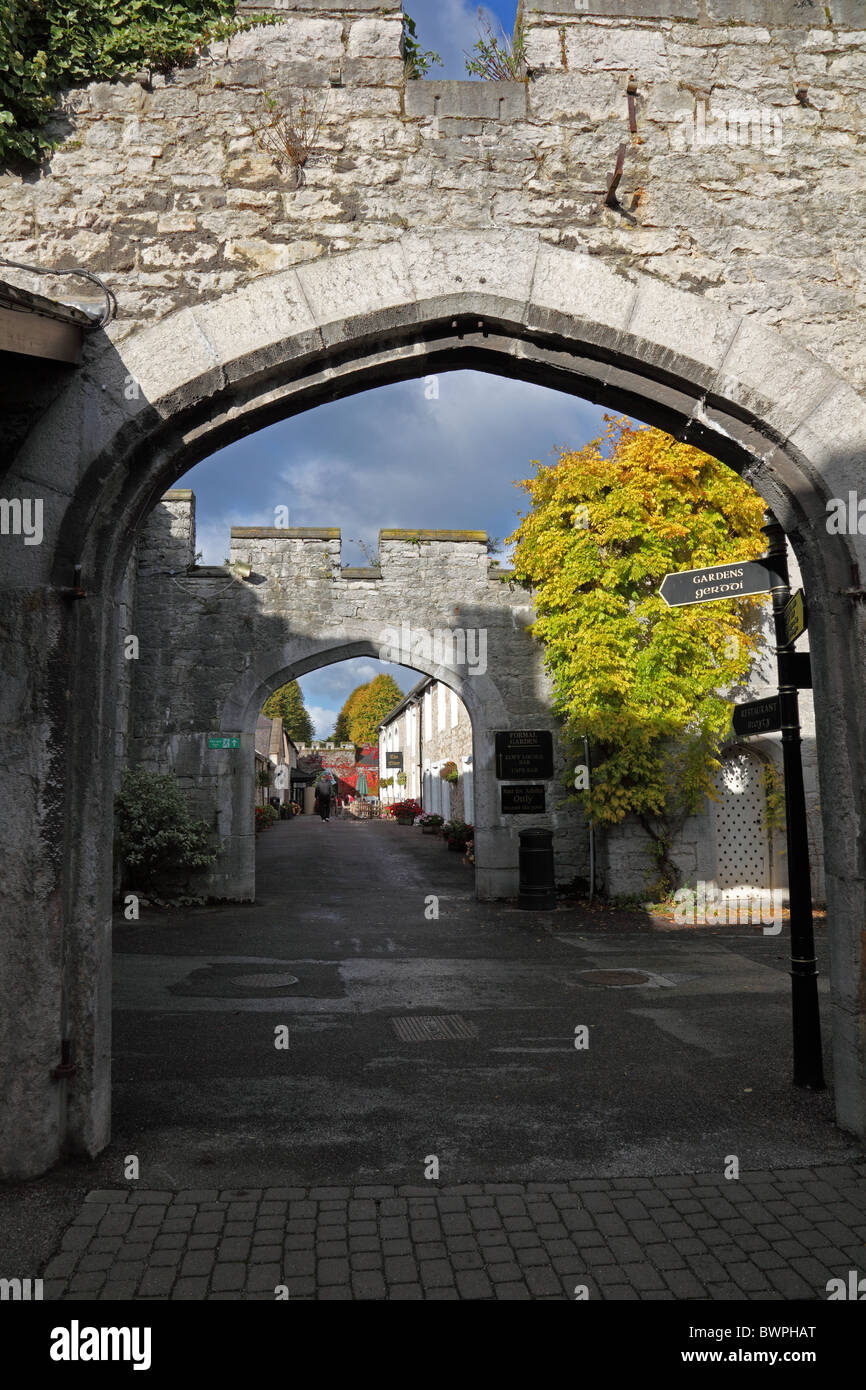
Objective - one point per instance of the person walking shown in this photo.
(323, 795)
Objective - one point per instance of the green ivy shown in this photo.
(46, 45)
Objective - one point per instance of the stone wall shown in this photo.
(162, 189)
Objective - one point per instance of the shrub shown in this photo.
(496, 57)
(416, 61)
(457, 830)
(429, 818)
(404, 808)
(156, 837)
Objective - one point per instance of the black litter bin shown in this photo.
(537, 883)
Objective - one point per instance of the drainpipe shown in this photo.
(591, 826)
(419, 705)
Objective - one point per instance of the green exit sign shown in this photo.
(233, 742)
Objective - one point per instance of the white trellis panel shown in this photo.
(743, 862)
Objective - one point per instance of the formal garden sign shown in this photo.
(740, 579)
(524, 753)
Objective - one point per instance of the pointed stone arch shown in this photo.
(143, 409)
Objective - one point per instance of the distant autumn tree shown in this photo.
(646, 684)
(343, 727)
(366, 707)
(287, 703)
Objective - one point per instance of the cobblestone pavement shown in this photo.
(769, 1235)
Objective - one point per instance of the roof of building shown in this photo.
(269, 736)
(407, 699)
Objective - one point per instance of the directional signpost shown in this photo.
(794, 617)
(758, 717)
(738, 580)
(715, 583)
(219, 742)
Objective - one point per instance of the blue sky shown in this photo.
(450, 26)
(401, 455)
(397, 456)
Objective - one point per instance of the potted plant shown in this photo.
(404, 812)
(431, 824)
(448, 772)
(265, 816)
(469, 856)
(457, 832)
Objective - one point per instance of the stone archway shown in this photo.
(488, 711)
(102, 456)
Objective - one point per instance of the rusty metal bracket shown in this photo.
(631, 93)
(73, 591)
(66, 1068)
(610, 199)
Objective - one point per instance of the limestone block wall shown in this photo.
(162, 188)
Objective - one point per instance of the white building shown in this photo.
(429, 733)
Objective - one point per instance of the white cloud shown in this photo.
(323, 719)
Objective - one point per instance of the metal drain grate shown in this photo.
(433, 1028)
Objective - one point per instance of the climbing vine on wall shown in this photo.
(46, 45)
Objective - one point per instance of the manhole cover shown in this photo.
(433, 1028)
(233, 979)
(264, 981)
(614, 979)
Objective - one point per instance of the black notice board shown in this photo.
(524, 753)
(522, 801)
(394, 760)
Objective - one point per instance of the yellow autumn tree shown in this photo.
(647, 685)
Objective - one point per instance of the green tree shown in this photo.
(156, 837)
(646, 684)
(374, 701)
(287, 703)
(49, 44)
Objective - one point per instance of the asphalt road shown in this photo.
(688, 1061)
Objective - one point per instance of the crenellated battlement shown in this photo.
(314, 554)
